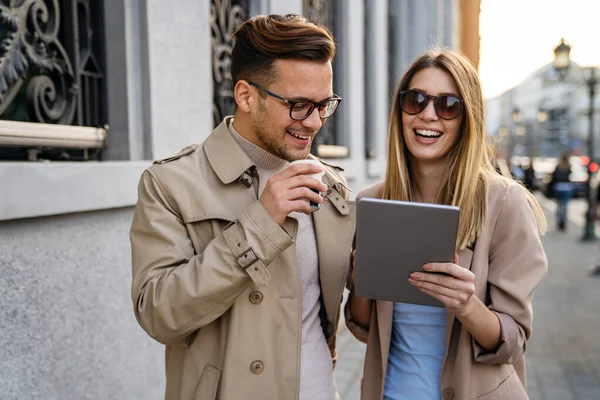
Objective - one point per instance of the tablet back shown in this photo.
(395, 238)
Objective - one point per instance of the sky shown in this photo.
(519, 36)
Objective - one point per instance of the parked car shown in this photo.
(544, 166)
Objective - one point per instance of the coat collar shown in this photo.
(226, 157)
(229, 161)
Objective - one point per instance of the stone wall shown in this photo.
(67, 328)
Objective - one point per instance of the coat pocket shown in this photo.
(209, 384)
(510, 389)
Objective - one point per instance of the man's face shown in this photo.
(273, 128)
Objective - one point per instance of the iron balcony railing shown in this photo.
(52, 85)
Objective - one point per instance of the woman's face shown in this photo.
(428, 137)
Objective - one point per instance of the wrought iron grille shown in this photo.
(318, 11)
(321, 12)
(51, 62)
(225, 17)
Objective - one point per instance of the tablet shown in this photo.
(394, 239)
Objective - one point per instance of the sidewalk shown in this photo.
(563, 354)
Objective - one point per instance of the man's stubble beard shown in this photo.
(272, 145)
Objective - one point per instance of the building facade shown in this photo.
(546, 115)
(90, 92)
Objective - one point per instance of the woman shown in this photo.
(560, 186)
(474, 346)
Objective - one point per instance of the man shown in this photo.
(231, 271)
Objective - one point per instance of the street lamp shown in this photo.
(562, 58)
(590, 232)
(561, 63)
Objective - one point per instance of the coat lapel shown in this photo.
(226, 157)
(334, 231)
(465, 259)
(385, 319)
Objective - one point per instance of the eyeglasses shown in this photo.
(446, 107)
(300, 110)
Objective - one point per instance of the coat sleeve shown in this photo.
(517, 266)
(175, 291)
(345, 192)
(359, 332)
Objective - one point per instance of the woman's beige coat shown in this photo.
(509, 262)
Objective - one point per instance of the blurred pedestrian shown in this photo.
(561, 189)
(597, 209)
(529, 177)
(517, 172)
(473, 346)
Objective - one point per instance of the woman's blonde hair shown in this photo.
(470, 159)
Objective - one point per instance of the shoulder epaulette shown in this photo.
(184, 152)
(330, 165)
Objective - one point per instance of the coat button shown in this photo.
(256, 297)
(448, 394)
(257, 367)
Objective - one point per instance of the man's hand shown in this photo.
(290, 191)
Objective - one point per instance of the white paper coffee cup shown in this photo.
(313, 206)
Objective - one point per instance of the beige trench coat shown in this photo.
(215, 278)
(508, 262)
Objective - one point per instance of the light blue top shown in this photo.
(417, 349)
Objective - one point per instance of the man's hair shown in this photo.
(261, 40)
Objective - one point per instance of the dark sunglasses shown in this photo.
(447, 106)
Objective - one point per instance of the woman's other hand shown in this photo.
(449, 283)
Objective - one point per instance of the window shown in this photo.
(225, 17)
(327, 142)
(51, 72)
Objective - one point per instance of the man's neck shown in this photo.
(243, 126)
(261, 157)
